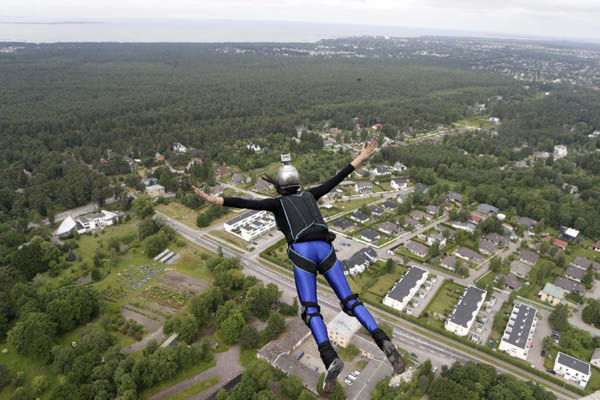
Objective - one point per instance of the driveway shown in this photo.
(228, 367)
(577, 321)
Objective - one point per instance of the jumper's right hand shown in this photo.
(204, 196)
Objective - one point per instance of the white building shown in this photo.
(399, 167)
(66, 228)
(519, 331)
(363, 187)
(341, 329)
(179, 148)
(254, 147)
(572, 368)
(86, 223)
(400, 183)
(250, 225)
(404, 290)
(560, 151)
(463, 316)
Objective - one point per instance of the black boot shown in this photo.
(333, 364)
(391, 352)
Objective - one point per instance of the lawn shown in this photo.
(443, 302)
(191, 262)
(228, 237)
(247, 356)
(179, 212)
(181, 376)
(195, 388)
(348, 205)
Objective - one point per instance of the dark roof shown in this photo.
(370, 234)
(411, 221)
(581, 262)
(575, 273)
(369, 252)
(527, 222)
(416, 247)
(342, 223)
(403, 287)
(513, 282)
(494, 237)
(529, 257)
(466, 307)
(520, 325)
(569, 285)
(455, 196)
(487, 208)
(420, 187)
(449, 261)
(359, 216)
(377, 210)
(241, 217)
(470, 254)
(574, 363)
(487, 245)
(387, 226)
(356, 259)
(389, 204)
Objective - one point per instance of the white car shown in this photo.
(356, 373)
(348, 382)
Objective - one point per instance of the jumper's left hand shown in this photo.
(368, 149)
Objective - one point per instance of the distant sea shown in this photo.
(153, 30)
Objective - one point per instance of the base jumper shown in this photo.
(310, 251)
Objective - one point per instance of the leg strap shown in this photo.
(345, 301)
(302, 262)
(327, 262)
(306, 316)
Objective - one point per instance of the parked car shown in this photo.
(551, 371)
(315, 369)
(351, 377)
(543, 353)
(414, 355)
(299, 355)
(356, 373)
(348, 382)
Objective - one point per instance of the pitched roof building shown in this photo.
(463, 316)
(404, 290)
(519, 331)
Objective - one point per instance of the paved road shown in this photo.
(431, 347)
(157, 335)
(228, 367)
(76, 212)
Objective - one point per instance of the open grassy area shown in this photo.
(228, 237)
(181, 376)
(195, 388)
(247, 356)
(348, 205)
(179, 212)
(443, 302)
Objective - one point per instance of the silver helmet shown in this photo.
(287, 175)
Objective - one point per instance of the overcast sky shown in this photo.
(549, 18)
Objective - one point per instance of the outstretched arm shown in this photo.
(238, 202)
(323, 189)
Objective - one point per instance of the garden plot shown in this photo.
(134, 277)
(166, 296)
(184, 282)
(148, 323)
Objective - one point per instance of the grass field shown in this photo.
(32, 368)
(444, 301)
(179, 212)
(195, 388)
(347, 205)
(181, 376)
(228, 237)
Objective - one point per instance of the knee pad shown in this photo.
(345, 301)
(328, 262)
(306, 316)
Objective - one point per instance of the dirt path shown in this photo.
(157, 335)
(228, 367)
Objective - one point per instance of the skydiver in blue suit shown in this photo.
(310, 251)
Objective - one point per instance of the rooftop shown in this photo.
(465, 309)
(574, 363)
(519, 325)
(555, 291)
(242, 217)
(408, 281)
(487, 208)
(344, 324)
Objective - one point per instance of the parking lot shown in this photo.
(350, 247)
(486, 327)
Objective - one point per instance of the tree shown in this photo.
(231, 329)
(40, 384)
(306, 395)
(291, 386)
(434, 251)
(496, 264)
(142, 206)
(591, 313)
(33, 336)
(589, 276)
(559, 318)
(151, 347)
(146, 228)
(155, 244)
(249, 337)
(275, 326)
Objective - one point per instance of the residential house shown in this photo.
(381, 170)
(552, 294)
(528, 257)
(512, 282)
(584, 263)
(433, 210)
(342, 224)
(405, 289)
(67, 228)
(571, 189)
(341, 329)
(155, 190)
(158, 157)
(389, 205)
(476, 218)
(416, 248)
(376, 211)
(470, 255)
(419, 187)
(557, 242)
(399, 183)
(572, 368)
(262, 185)
(150, 181)
(408, 221)
(596, 246)
(487, 209)
(569, 233)
(498, 240)
(487, 247)
(402, 197)
(359, 217)
(528, 222)
(223, 171)
(369, 235)
(431, 238)
(355, 264)
(465, 312)
(128, 160)
(179, 148)
(520, 269)
(448, 262)
(464, 226)
(255, 147)
(399, 167)
(517, 339)
(237, 178)
(572, 287)
(193, 161)
(363, 187)
(575, 273)
(560, 151)
(454, 197)
(389, 228)
(420, 215)
(441, 229)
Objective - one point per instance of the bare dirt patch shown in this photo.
(148, 323)
(184, 282)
